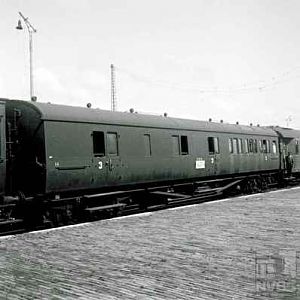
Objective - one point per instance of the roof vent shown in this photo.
(258, 125)
(165, 114)
(210, 119)
(221, 121)
(131, 110)
(251, 124)
(89, 105)
(237, 123)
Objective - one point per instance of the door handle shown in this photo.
(110, 165)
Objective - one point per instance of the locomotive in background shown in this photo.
(59, 162)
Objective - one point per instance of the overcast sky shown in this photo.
(236, 60)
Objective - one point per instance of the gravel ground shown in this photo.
(241, 248)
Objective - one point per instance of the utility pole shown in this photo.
(31, 30)
(113, 89)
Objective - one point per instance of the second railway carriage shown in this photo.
(57, 149)
(289, 140)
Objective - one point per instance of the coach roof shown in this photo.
(288, 133)
(63, 113)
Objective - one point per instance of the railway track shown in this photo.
(135, 201)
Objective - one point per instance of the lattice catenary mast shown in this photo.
(113, 89)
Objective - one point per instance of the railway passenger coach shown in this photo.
(55, 148)
(50, 152)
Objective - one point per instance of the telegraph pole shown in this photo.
(113, 89)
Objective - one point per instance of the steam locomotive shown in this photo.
(61, 158)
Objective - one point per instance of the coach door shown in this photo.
(214, 155)
(2, 147)
(113, 163)
(100, 159)
(106, 158)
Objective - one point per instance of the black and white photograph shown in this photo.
(149, 149)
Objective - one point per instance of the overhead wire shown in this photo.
(260, 85)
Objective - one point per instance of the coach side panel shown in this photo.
(81, 156)
(243, 153)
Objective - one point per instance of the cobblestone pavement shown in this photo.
(243, 248)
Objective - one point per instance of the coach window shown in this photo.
(251, 145)
(274, 147)
(264, 146)
(235, 146)
(175, 144)
(246, 146)
(255, 146)
(213, 145)
(297, 147)
(230, 145)
(112, 143)
(147, 145)
(240, 144)
(98, 143)
(184, 145)
(268, 147)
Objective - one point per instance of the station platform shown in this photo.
(241, 248)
